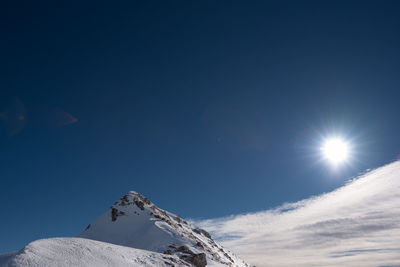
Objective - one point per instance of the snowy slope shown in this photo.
(133, 232)
(80, 252)
(134, 221)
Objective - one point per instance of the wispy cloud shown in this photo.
(355, 225)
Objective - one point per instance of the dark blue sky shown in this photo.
(209, 108)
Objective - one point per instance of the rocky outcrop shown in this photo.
(115, 213)
(172, 235)
(202, 232)
(199, 260)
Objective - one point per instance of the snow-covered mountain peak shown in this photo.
(134, 221)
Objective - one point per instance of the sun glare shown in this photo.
(335, 150)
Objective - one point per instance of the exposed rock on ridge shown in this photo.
(135, 221)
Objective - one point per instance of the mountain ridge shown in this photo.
(132, 232)
(156, 230)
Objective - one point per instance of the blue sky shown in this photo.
(350, 226)
(209, 109)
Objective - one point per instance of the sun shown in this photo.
(335, 150)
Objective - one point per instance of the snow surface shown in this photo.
(138, 223)
(356, 225)
(80, 252)
(133, 232)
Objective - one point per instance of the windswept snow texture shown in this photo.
(356, 225)
(134, 232)
(134, 221)
(79, 252)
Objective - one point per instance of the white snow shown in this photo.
(151, 228)
(356, 225)
(80, 252)
(133, 232)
